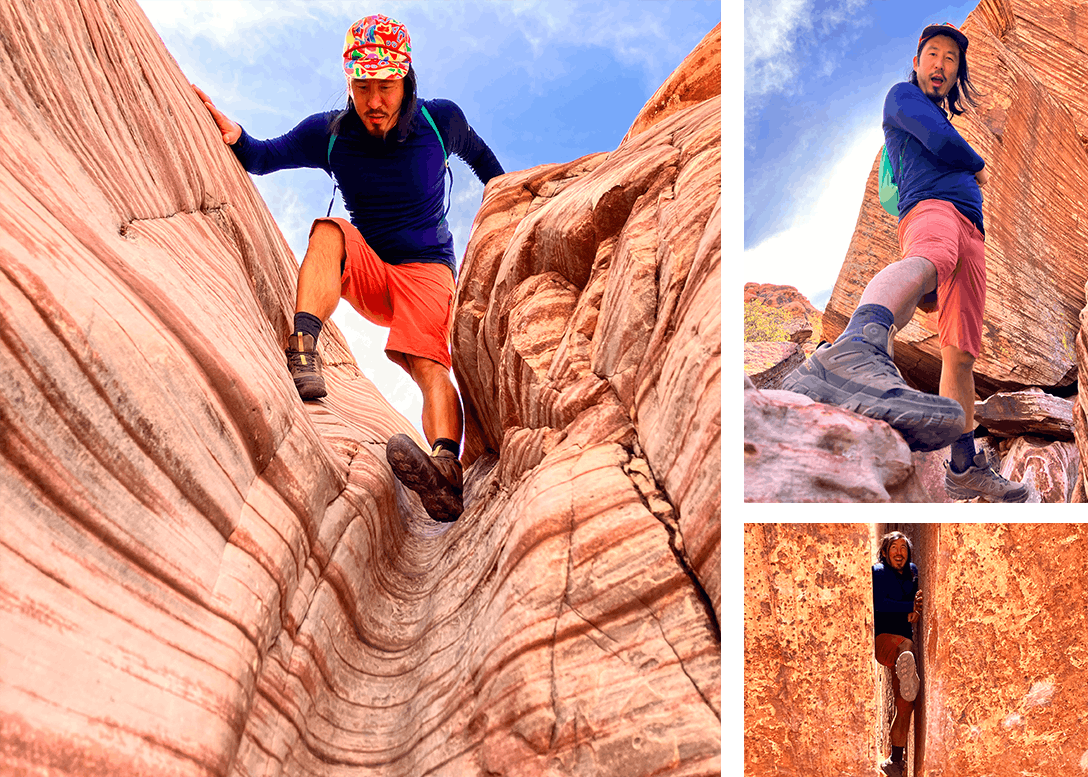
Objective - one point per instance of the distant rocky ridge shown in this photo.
(1031, 126)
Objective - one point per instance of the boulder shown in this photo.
(797, 450)
(1028, 126)
(1049, 467)
(203, 575)
(1034, 412)
(802, 321)
(768, 363)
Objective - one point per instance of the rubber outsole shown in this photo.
(413, 467)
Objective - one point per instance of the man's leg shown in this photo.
(319, 276)
(856, 372)
(316, 298)
(968, 475)
(903, 708)
(900, 286)
(442, 415)
(438, 477)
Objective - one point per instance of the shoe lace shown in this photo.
(301, 361)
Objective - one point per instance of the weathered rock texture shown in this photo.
(1013, 413)
(809, 676)
(200, 575)
(768, 363)
(803, 321)
(797, 450)
(1002, 641)
(1028, 60)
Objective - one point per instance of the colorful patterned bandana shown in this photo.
(377, 47)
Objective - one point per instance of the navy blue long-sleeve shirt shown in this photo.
(893, 600)
(929, 158)
(394, 189)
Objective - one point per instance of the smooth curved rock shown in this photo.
(201, 575)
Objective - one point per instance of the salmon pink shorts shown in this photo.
(936, 231)
(414, 300)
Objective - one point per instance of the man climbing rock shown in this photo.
(897, 603)
(393, 261)
(941, 239)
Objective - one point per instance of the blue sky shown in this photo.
(540, 82)
(815, 76)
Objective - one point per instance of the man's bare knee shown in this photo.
(906, 645)
(957, 359)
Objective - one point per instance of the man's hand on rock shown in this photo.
(982, 177)
(229, 129)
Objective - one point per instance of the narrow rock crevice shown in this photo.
(657, 503)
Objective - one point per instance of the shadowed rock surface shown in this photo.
(201, 575)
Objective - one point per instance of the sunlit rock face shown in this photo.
(202, 575)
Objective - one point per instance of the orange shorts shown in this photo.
(887, 648)
(414, 300)
(936, 231)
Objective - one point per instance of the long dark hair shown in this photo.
(886, 543)
(963, 79)
(407, 108)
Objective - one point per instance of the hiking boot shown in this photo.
(894, 768)
(437, 477)
(305, 366)
(858, 374)
(981, 480)
(907, 672)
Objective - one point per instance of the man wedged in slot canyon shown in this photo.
(897, 604)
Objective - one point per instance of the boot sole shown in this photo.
(907, 671)
(310, 387)
(927, 422)
(412, 467)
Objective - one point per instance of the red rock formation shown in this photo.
(1010, 414)
(1049, 467)
(201, 575)
(1027, 60)
(768, 363)
(804, 321)
(797, 450)
(809, 675)
(1001, 648)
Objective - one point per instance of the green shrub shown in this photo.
(763, 323)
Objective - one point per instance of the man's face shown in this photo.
(937, 67)
(897, 554)
(378, 103)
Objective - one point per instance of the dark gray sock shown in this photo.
(867, 314)
(963, 452)
(307, 324)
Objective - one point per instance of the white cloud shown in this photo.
(810, 252)
(775, 31)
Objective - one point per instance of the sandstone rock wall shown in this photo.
(809, 676)
(201, 575)
(1002, 643)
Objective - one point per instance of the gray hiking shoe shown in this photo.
(894, 768)
(858, 374)
(907, 672)
(305, 366)
(981, 480)
(437, 477)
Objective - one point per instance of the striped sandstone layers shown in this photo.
(201, 575)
